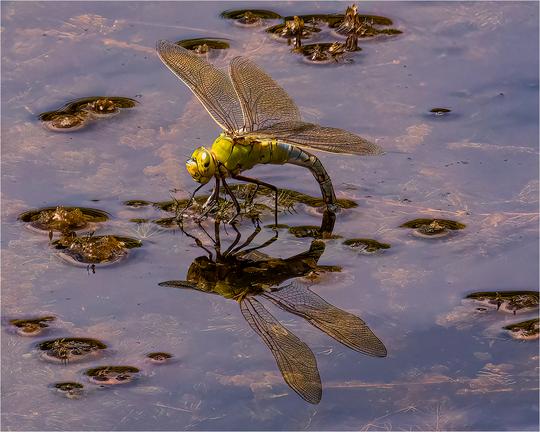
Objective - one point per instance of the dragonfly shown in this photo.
(260, 124)
(246, 275)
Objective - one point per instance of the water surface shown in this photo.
(447, 368)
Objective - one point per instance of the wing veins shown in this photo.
(301, 376)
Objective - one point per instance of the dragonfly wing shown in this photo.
(294, 358)
(318, 137)
(336, 323)
(263, 101)
(211, 86)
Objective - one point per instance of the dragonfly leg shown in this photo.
(261, 183)
(180, 215)
(235, 201)
(210, 202)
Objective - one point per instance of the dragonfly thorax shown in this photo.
(202, 165)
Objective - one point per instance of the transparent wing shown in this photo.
(294, 358)
(211, 86)
(318, 137)
(263, 101)
(338, 324)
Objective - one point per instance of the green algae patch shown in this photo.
(63, 219)
(440, 111)
(67, 386)
(166, 222)
(69, 350)
(159, 357)
(174, 206)
(330, 19)
(112, 375)
(366, 245)
(525, 330)
(137, 203)
(69, 389)
(77, 113)
(291, 30)
(204, 45)
(449, 224)
(278, 226)
(507, 301)
(310, 231)
(249, 17)
(31, 326)
(433, 227)
(325, 52)
(90, 249)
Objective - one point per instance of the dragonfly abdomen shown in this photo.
(297, 156)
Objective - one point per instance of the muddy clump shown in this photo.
(71, 390)
(367, 246)
(293, 31)
(325, 53)
(204, 45)
(63, 219)
(76, 114)
(250, 17)
(112, 375)
(137, 203)
(440, 111)
(433, 228)
(507, 301)
(526, 330)
(32, 326)
(70, 350)
(159, 357)
(310, 231)
(90, 249)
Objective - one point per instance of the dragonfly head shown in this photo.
(202, 165)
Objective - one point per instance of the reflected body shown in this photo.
(242, 274)
(261, 124)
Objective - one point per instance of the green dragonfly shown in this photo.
(261, 125)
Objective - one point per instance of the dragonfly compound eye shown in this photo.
(201, 166)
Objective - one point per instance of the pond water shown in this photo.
(449, 364)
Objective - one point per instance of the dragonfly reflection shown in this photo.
(245, 274)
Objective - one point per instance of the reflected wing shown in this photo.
(211, 86)
(294, 358)
(342, 326)
(263, 101)
(319, 137)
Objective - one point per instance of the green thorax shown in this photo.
(240, 154)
